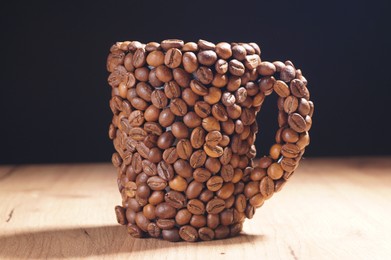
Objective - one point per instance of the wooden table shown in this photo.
(330, 209)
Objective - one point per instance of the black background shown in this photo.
(54, 94)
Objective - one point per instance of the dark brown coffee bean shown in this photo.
(210, 124)
(128, 62)
(228, 99)
(170, 155)
(153, 128)
(166, 117)
(226, 217)
(227, 172)
(139, 58)
(165, 171)
(142, 221)
(291, 104)
(190, 63)
(221, 232)
(281, 88)
(131, 215)
(156, 183)
(290, 150)
(171, 43)
(165, 140)
(206, 234)
(279, 65)
(181, 77)
(226, 191)
(234, 111)
(215, 183)
(154, 230)
(219, 112)
(180, 130)
(116, 160)
(149, 211)
(175, 199)
(289, 135)
(240, 203)
(155, 58)
(183, 217)
(215, 206)
(196, 207)
(207, 57)
(201, 174)
(172, 90)
(192, 120)
(257, 200)
(163, 73)
(165, 224)
(213, 138)
(156, 197)
(194, 189)
(235, 229)
(287, 73)
(297, 122)
(250, 211)
(184, 149)
(188, 233)
(141, 74)
(189, 97)
(205, 75)
(251, 189)
(213, 165)
(205, 45)
(221, 66)
(252, 61)
(171, 235)
(298, 88)
(288, 164)
(239, 52)
(202, 109)
(178, 107)
(137, 163)
(139, 103)
(173, 58)
(165, 210)
(213, 151)
(236, 68)
(197, 159)
(226, 156)
(183, 168)
(223, 50)
(198, 88)
(151, 114)
(159, 99)
(266, 68)
(267, 187)
(134, 230)
(120, 214)
(206, 195)
(304, 107)
(114, 59)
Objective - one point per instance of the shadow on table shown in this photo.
(90, 241)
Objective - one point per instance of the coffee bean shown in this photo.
(281, 88)
(234, 111)
(153, 128)
(213, 96)
(165, 140)
(188, 233)
(139, 58)
(151, 114)
(156, 183)
(213, 138)
(198, 88)
(171, 43)
(226, 191)
(172, 90)
(183, 168)
(205, 45)
(204, 74)
(236, 67)
(206, 234)
(257, 200)
(159, 99)
(170, 155)
(142, 221)
(228, 99)
(190, 62)
(291, 104)
(221, 66)
(183, 217)
(181, 77)
(212, 220)
(193, 189)
(153, 230)
(202, 109)
(175, 199)
(165, 224)
(227, 172)
(266, 68)
(223, 50)
(219, 112)
(196, 207)
(226, 156)
(240, 203)
(213, 151)
(165, 210)
(190, 97)
(201, 174)
(192, 120)
(206, 195)
(290, 150)
(197, 159)
(287, 73)
(304, 107)
(215, 183)
(178, 184)
(178, 107)
(297, 122)
(213, 165)
(267, 187)
(173, 58)
(252, 61)
(134, 230)
(210, 124)
(156, 197)
(180, 130)
(166, 117)
(275, 171)
(207, 57)
(221, 232)
(226, 217)
(155, 58)
(165, 171)
(139, 103)
(289, 135)
(171, 235)
(298, 88)
(184, 149)
(120, 214)
(239, 52)
(163, 73)
(215, 206)
(288, 164)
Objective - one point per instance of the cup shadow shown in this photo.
(93, 241)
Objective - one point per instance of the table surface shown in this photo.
(330, 209)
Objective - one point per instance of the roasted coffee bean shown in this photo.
(201, 174)
(166, 117)
(287, 73)
(257, 200)
(180, 130)
(239, 52)
(165, 171)
(221, 232)
(193, 189)
(267, 187)
(226, 156)
(198, 221)
(178, 107)
(252, 61)
(290, 150)
(236, 67)
(172, 90)
(227, 172)
(156, 183)
(207, 57)
(202, 109)
(275, 151)
(149, 211)
(289, 135)
(215, 206)
(206, 195)
(144, 91)
(142, 221)
(171, 235)
(154, 230)
(184, 149)
(170, 155)
(220, 80)
(165, 224)
(291, 104)
(223, 50)
(139, 103)
(173, 58)
(221, 66)
(213, 151)
(156, 197)
(183, 217)
(197, 159)
(206, 234)
(163, 73)
(215, 183)
(141, 74)
(212, 220)
(196, 207)
(297, 122)
(205, 75)
(133, 205)
(213, 96)
(120, 214)
(266, 68)
(159, 99)
(175, 199)
(198, 88)
(213, 138)
(151, 114)
(139, 58)
(304, 107)
(192, 120)
(298, 88)
(165, 210)
(155, 155)
(225, 141)
(219, 112)
(143, 190)
(189, 97)
(171, 43)
(288, 164)
(205, 45)
(210, 124)
(134, 230)
(226, 217)
(153, 128)
(165, 140)
(155, 58)
(226, 191)
(234, 111)
(228, 99)
(114, 59)
(240, 203)
(281, 88)
(228, 126)
(178, 183)
(181, 77)
(213, 165)
(190, 62)
(188, 233)
(183, 168)
(130, 216)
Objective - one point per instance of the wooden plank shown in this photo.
(330, 209)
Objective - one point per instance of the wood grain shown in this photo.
(330, 209)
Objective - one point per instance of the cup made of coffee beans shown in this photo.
(184, 128)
